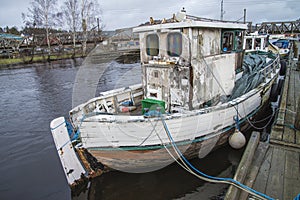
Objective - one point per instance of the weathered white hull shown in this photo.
(135, 143)
(138, 144)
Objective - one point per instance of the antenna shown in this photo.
(222, 10)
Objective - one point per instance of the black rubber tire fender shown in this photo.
(274, 92)
(282, 70)
(279, 86)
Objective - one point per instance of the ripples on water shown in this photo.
(30, 98)
(29, 166)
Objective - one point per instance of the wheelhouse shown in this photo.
(184, 63)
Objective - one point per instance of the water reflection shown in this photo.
(31, 97)
(171, 182)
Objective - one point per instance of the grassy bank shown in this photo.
(8, 62)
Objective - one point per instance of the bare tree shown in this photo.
(71, 14)
(90, 10)
(81, 15)
(41, 13)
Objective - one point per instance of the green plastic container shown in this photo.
(152, 104)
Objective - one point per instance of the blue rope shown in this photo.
(76, 134)
(72, 136)
(208, 176)
(58, 125)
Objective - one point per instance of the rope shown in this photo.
(52, 129)
(259, 128)
(262, 120)
(203, 176)
(150, 132)
(285, 109)
(211, 71)
(73, 137)
(236, 106)
(291, 126)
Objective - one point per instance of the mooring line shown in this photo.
(189, 167)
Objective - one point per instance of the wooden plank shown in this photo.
(283, 143)
(275, 180)
(240, 175)
(289, 134)
(297, 138)
(254, 168)
(283, 102)
(263, 174)
(276, 133)
(292, 175)
(291, 105)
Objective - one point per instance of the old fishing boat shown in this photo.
(194, 85)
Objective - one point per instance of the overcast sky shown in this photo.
(126, 13)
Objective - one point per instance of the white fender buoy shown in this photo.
(237, 140)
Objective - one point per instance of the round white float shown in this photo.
(237, 140)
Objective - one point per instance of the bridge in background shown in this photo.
(13, 45)
(287, 27)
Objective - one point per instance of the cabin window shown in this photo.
(152, 45)
(238, 40)
(174, 44)
(257, 43)
(227, 41)
(232, 41)
(248, 44)
(152, 94)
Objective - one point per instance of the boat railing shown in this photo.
(195, 18)
(270, 69)
(107, 103)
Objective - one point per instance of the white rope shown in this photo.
(259, 128)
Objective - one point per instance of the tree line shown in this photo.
(48, 16)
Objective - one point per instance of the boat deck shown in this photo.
(274, 168)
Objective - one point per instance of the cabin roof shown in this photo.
(191, 24)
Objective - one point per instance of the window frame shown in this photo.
(149, 47)
(235, 37)
(170, 52)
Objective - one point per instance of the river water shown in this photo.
(33, 95)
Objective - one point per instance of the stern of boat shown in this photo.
(73, 168)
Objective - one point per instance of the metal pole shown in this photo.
(222, 12)
(244, 15)
(98, 25)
